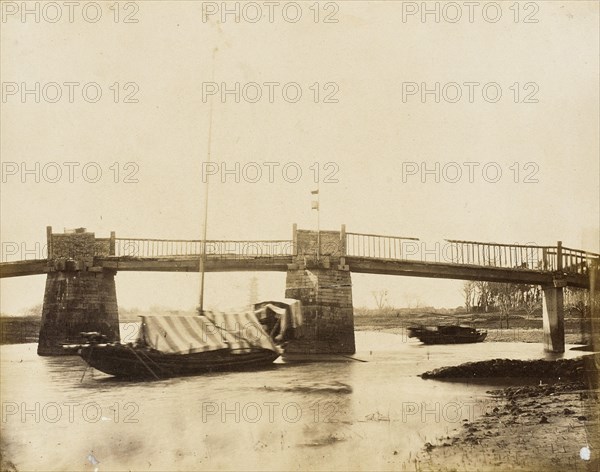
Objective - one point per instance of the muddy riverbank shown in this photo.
(553, 426)
(577, 369)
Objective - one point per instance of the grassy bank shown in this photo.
(19, 329)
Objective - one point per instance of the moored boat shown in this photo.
(211, 341)
(450, 334)
(170, 346)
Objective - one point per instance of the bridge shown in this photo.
(80, 290)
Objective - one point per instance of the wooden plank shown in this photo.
(449, 271)
(192, 264)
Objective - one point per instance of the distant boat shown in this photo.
(451, 334)
(169, 346)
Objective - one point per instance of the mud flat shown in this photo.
(553, 426)
(561, 369)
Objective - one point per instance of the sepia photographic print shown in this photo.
(310, 235)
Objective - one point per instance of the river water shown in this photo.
(337, 414)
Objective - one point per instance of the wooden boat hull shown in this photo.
(448, 339)
(128, 362)
(447, 335)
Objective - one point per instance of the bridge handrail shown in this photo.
(552, 258)
(577, 261)
(499, 244)
(508, 256)
(565, 248)
(152, 247)
(375, 245)
(587, 254)
(381, 236)
(208, 240)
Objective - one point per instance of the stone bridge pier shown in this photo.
(78, 296)
(321, 280)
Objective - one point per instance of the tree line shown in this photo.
(508, 298)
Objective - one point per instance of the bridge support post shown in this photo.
(553, 317)
(324, 287)
(78, 296)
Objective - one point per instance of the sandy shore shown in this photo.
(551, 427)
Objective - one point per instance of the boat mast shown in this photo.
(208, 151)
(318, 221)
(316, 205)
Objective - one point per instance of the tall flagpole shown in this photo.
(208, 151)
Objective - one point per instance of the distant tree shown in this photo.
(577, 300)
(380, 297)
(531, 298)
(483, 295)
(506, 298)
(578, 303)
(35, 310)
(468, 291)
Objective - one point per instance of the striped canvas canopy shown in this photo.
(241, 331)
(289, 310)
(180, 334)
(237, 332)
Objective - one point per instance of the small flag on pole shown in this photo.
(314, 192)
(314, 205)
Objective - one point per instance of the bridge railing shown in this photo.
(512, 256)
(515, 256)
(508, 256)
(129, 247)
(379, 246)
(575, 261)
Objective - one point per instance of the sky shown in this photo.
(517, 105)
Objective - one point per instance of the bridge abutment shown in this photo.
(553, 317)
(78, 296)
(320, 279)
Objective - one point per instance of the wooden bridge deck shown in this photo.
(363, 265)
